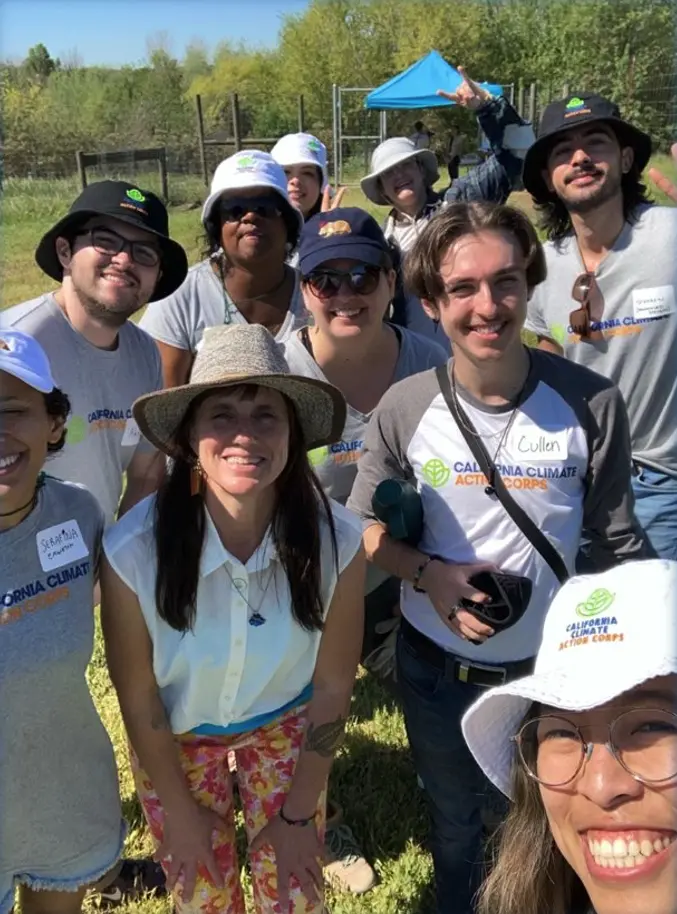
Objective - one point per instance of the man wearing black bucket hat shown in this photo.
(610, 300)
(112, 254)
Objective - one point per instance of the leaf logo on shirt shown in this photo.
(436, 473)
(317, 456)
(597, 602)
(76, 430)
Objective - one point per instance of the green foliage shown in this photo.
(622, 48)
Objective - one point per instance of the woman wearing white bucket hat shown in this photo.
(232, 614)
(304, 160)
(586, 748)
(251, 228)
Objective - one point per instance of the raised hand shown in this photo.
(329, 202)
(662, 182)
(469, 94)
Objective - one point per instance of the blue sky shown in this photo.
(116, 31)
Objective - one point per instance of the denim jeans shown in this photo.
(456, 789)
(656, 509)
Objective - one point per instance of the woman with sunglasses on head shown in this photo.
(232, 614)
(586, 749)
(251, 230)
(61, 826)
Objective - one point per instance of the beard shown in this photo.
(111, 313)
(596, 197)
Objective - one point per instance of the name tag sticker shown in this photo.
(60, 545)
(656, 302)
(132, 434)
(542, 444)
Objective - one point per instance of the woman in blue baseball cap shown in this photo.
(348, 283)
(61, 827)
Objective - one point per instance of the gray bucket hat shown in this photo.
(390, 153)
(242, 354)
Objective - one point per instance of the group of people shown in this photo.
(327, 443)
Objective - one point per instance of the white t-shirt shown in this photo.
(226, 670)
(180, 319)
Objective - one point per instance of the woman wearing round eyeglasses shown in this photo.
(586, 748)
(251, 229)
(348, 282)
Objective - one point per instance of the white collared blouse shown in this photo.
(227, 670)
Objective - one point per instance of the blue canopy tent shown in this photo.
(415, 87)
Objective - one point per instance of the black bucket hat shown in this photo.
(126, 203)
(567, 114)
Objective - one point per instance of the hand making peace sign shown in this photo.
(328, 202)
(469, 94)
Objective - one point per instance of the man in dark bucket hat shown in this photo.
(610, 298)
(111, 254)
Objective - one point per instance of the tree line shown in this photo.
(621, 48)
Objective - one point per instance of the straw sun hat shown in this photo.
(242, 354)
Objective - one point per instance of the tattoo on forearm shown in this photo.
(326, 739)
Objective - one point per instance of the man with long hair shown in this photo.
(609, 300)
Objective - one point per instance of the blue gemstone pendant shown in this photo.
(256, 619)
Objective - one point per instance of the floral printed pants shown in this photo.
(266, 759)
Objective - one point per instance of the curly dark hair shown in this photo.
(555, 220)
(58, 406)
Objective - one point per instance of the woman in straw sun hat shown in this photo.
(232, 614)
(586, 748)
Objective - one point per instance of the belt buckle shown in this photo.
(466, 665)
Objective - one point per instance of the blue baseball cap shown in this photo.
(345, 232)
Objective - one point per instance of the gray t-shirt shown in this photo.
(564, 457)
(636, 319)
(59, 803)
(336, 464)
(201, 302)
(102, 385)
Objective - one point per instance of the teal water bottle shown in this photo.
(397, 505)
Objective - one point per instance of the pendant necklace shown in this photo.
(255, 617)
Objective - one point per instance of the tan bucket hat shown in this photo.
(242, 354)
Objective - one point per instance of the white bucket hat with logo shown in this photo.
(604, 635)
(302, 149)
(24, 358)
(245, 170)
(390, 153)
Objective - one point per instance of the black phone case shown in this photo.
(509, 596)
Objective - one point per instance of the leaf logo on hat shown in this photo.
(575, 102)
(314, 145)
(597, 602)
(244, 162)
(340, 227)
(136, 195)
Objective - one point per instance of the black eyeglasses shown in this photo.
(643, 740)
(361, 280)
(234, 208)
(106, 241)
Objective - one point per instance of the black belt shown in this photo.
(453, 667)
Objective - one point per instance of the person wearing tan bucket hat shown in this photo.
(232, 615)
(586, 749)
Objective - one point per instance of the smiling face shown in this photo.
(112, 287)
(404, 186)
(485, 296)
(616, 833)
(585, 167)
(303, 186)
(253, 238)
(347, 314)
(26, 430)
(241, 436)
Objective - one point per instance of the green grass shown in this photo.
(373, 778)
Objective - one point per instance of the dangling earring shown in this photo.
(197, 479)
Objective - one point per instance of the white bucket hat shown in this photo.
(390, 153)
(302, 149)
(24, 358)
(243, 171)
(604, 635)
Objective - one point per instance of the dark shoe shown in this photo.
(137, 877)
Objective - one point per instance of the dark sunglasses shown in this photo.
(234, 208)
(580, 318)
(325, 284)
(106, 241)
